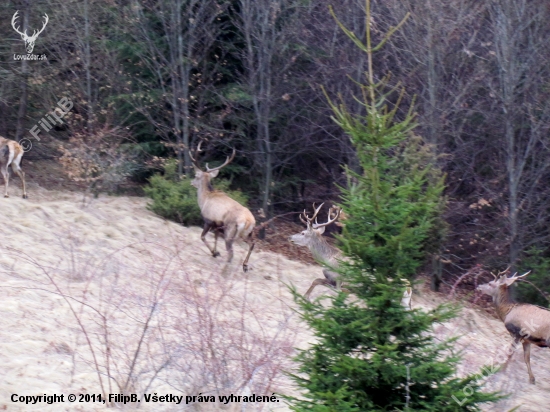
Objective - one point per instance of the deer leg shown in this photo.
(230, 236)
(512, 351)
(6, 176)
(215, 253)
(250, 249)
(207, 227)
(333, 278)
(315, 283)
(527, 357)
(338, 285)
(17, 169)
(229, 248)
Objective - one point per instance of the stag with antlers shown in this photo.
(29, 40)
(221, 213)
(528, 324)
(11, 153)
(328, 255)
(322, 251)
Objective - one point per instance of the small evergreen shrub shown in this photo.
(176, 199)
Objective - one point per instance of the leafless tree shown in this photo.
(521, 120)
(266, 27)
(188, 29)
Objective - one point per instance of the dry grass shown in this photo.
(106, 297)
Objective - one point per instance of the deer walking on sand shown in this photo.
(221, 213)
(528, 324)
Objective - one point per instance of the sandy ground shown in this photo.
(105, 288)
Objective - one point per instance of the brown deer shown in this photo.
(221, 213)
(322, 251)
(11, 153)
(528, 324)
(326, 254)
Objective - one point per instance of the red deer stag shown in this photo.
(528, 324)
(324, 253)
(221, 213)
(328, 255)
(11, 153)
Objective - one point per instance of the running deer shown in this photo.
(221, 213)
(528, 324)
(11, 153)
(326, 254)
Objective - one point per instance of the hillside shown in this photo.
(105, 285)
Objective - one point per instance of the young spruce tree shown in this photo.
(370, 353)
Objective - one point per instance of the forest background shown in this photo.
(149, 79)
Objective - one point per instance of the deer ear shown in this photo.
(214, 173)
(320, 230)
(198, 172)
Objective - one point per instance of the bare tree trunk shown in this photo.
(180, 87)
(432, 78)
(258, 27)
(518, 46)
(189, 28)
(87, 64)
(185, 74)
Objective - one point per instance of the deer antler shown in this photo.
(198, 150)
(520, 277)
(502, 274)
(309, 220)
(329, 220)
(227, 161)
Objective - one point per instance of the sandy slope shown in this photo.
(116, 264)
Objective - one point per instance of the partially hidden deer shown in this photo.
(326, 254)
(11, 154)
(221, 214)
(528, 324)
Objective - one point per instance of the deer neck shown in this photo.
(503, 302)
(203, 190)
(322, 251)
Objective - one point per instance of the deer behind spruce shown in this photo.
(326, 254)
(321, 250)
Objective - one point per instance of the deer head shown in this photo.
(314, 230)
(29, 40)
(208, 174)
(493, 288)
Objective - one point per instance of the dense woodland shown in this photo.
(150, 79)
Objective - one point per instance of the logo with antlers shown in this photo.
(29, 40)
